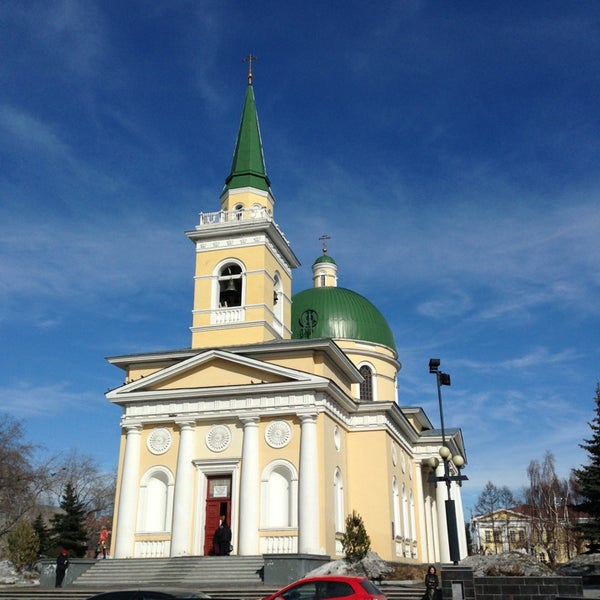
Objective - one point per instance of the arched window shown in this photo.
(278, 303)
(366, 387)
(405, 513)
(156, 501)
(413, 526)
(338, 499)
(396, 500)
(238, 212)
(279, 496)
(230, 285)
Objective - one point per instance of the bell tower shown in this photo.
(243, 275)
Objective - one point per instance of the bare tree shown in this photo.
(21, 481)
(94, 488)
(547, 497)
(491, 500)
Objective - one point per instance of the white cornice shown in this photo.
(239, 229)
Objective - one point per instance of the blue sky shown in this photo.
(450, 150)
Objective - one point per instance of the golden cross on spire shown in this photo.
(324, 239)
(249, 60)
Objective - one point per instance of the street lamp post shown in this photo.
(446, 455)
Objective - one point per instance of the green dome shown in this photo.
(324, 259)
(333, 312)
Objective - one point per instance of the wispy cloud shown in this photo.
(30, 133)
(98, 259)
(536, 358)
(537, 253)
(27, 400)
(68, 32)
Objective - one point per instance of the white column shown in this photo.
(249, 491)
(435, 537)
(420, 501)
(308, 509)
(429, 550)
(129, 494)
(441, 494)
(182, 500)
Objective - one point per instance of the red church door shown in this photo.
(218, 502)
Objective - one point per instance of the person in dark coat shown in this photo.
(431, 584)
(62, 564)
(222, 539)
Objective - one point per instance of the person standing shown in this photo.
(431, 584)
(102, 543)
(62, 564)
(222, 538)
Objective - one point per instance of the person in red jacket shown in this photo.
(102, 543)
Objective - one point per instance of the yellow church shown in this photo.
(283, 415)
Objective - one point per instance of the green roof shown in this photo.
(324, 259)
(338, 313)
(248, 166)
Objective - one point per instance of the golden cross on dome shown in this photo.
(249, 60)
(324, 239)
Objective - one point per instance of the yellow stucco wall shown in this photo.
(246, 197)
(219, 372)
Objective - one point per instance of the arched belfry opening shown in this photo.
(230, 285)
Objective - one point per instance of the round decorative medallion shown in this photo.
(337, 438)
(159, 441)
(218, 438)
(278, 434)
(394, 454)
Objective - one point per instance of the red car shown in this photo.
(329, 586)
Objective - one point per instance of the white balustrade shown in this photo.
(231, 216)
(226, 315)
(279, 544)
(152, 548)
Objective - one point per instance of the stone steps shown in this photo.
(185, 571)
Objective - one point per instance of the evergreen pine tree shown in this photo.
(355, 541)
(588, 478)
(43, 533)
(68, 527)
(22, 545)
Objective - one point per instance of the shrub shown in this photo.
(355, 541)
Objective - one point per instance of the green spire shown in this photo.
(248, 166)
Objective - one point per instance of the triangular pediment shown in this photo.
(212, 369)
(501, 514)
